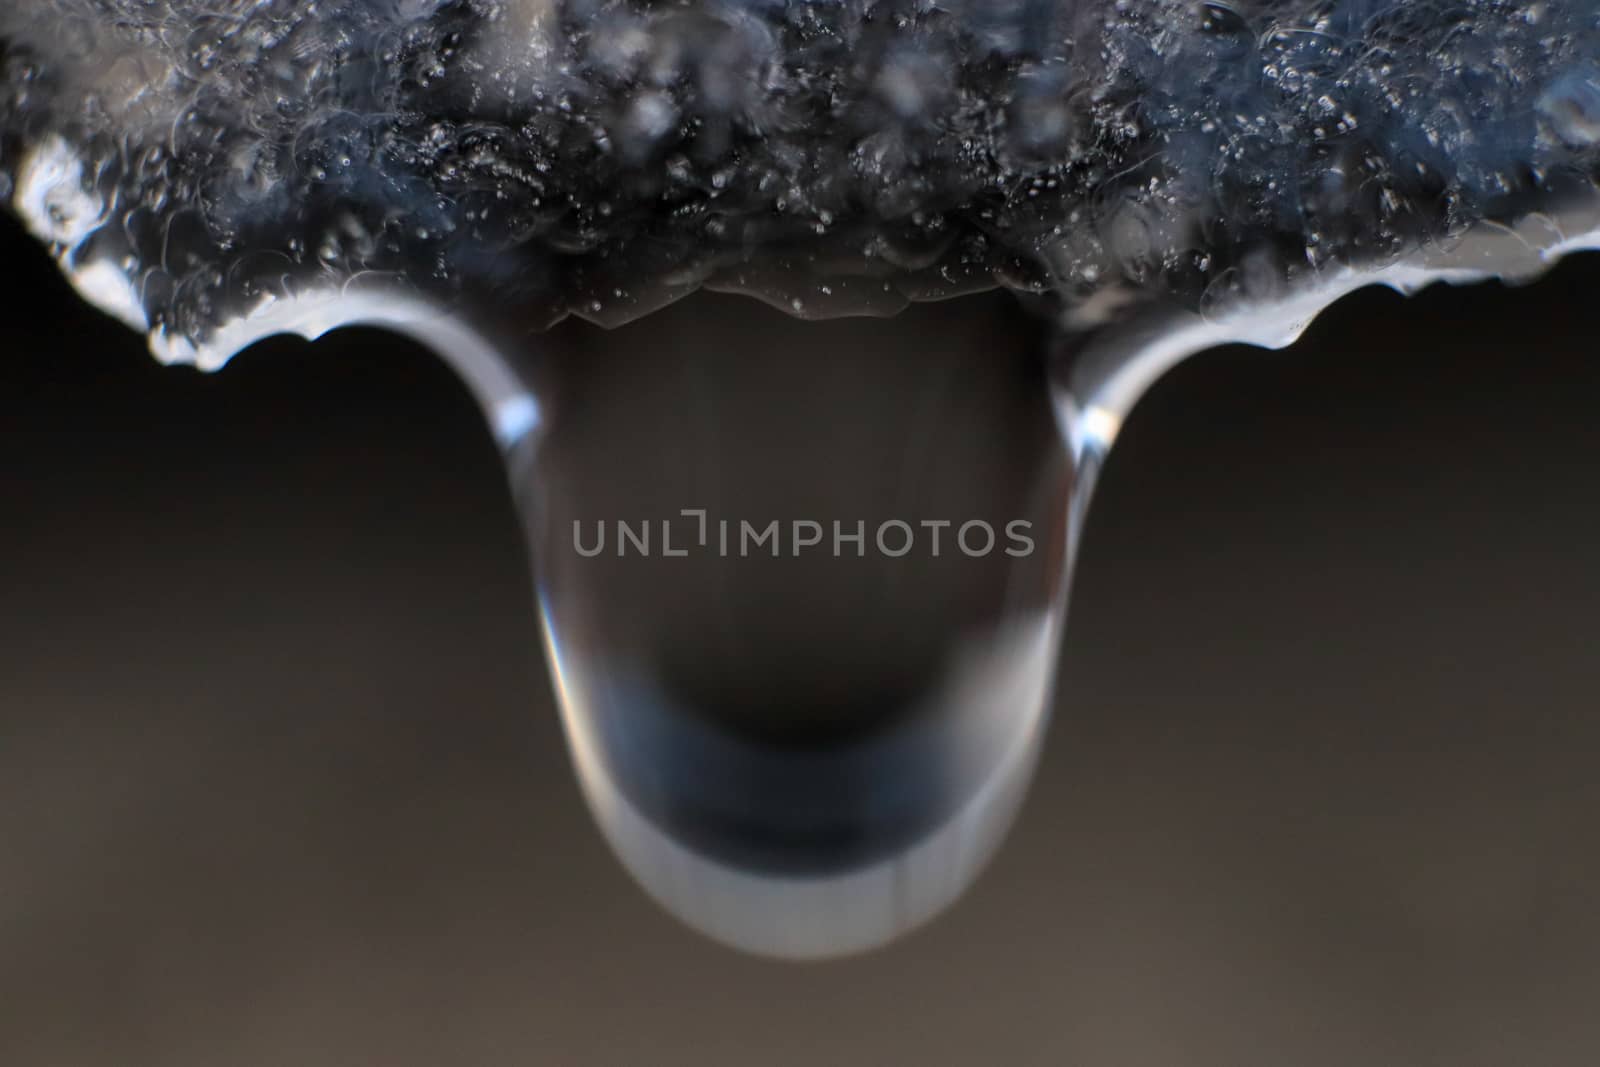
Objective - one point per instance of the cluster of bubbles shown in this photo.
(603, 157)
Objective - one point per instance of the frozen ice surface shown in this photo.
(599, 158)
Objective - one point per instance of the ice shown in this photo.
(51, 197)
(556, 153)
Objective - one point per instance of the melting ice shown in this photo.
(1004, 219)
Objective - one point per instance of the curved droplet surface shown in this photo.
(802, 585)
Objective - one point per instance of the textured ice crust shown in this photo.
(194, 161)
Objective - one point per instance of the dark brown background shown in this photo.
(281, 781)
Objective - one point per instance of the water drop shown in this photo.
(802, 582)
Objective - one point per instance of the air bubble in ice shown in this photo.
(1572, 106)
(51, 196)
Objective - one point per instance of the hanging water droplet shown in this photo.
(804, 657)
(802, 609)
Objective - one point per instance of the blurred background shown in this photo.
(282, 782)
